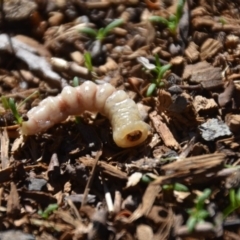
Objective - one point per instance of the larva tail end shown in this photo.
(131, 134)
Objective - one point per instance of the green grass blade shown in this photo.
(89, 31)
(158, 19)
(162, 70)
(179, 10)
(232, 197)
(112, 25)
(202, 214)
(27, 98)
(151, 89)
(13, 108)
(238, 196)
(157, 61)
(75, 82)
(5, 102)
(201, 199)
(191, 223)
(88, 61)
(180, 187)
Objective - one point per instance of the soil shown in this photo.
(72, 181)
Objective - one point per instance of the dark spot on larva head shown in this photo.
(134, 136)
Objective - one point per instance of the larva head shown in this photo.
(32, 127)
(132, 134)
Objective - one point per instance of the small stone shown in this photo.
(213, 129)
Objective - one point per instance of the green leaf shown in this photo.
(172, 26)
(51, 208)
(100, 34)
(180, 187)
(112, 25)
(167, 186)
(157, 61)
(5, 102)
(13, 108)
(27, 98)
(202, 214)
(146, 179)
(222, 20)
(201, 199)
(172, 19)
(75, 82)
(77, 119)
(151, 89)
(179, 10)
(232, 197)
(88, 61)
(238, 196)
(162, 70)
(89, 31)
(191, 223)
(158, 19)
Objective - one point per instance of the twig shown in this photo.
(90, 179)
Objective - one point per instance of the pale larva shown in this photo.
(128, 128)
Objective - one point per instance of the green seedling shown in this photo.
(222, 20)
(176, 187)
(5, 102)
(9, 103)
(88, 61)
(158, 70)
(234, 199)
(102, 32)
(173, 21)
(198, 213)
(48, 211)
(75, 82)
(88, 64)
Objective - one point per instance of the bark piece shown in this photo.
(210, 48)
(163, 131)
(204, 105)
(147, 202)
(192, 52)
(233, 121)
(191, 68)
(226, 97)
(13, 204)
(185, 168)
(203, 73)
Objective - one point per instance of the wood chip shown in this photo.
(233, 122)
(203, 73)
(13, 204)
(163, 131)
(192, 52)
(204, 105)
(210, 48)
(4, 148)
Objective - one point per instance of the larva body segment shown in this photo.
(103, 92)
(128, 128)
(86, 95)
